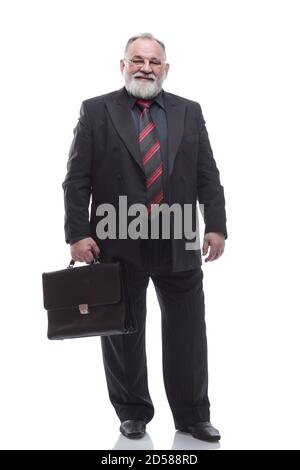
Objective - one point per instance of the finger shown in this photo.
(205, 247)
(212, 254)
(219, 254)
(95, 249)
(74, 256)
(88, 257)
(216, 253)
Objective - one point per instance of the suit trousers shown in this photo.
(184, 348)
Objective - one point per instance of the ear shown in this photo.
(122, 65)
(167, 69)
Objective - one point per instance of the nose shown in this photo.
(146, 66)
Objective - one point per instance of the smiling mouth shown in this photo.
(144, 78)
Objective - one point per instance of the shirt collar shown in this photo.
(158, 99)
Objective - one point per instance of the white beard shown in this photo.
(145, 91)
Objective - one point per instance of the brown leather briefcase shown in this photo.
(88, 300)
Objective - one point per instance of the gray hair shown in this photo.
(145, 36)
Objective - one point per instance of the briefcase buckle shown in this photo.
(83, 309)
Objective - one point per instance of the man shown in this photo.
(152, 147)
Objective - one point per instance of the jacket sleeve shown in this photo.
(209, 189)
(77, 183)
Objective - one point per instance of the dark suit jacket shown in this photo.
(104, 162)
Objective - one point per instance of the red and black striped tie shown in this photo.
(150, 154)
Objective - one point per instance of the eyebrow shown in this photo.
(140, 57)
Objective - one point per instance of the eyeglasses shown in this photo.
(138, 63)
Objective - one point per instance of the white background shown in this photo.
(240, 60)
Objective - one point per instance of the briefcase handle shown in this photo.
(96, 260)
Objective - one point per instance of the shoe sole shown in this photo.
(208, 439)
(133, 435)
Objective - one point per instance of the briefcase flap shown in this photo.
(95, 284)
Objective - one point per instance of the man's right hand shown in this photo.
(85, 250)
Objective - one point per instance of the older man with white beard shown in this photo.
(126, 143)
(144, 77)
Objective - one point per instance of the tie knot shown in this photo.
(144, 104)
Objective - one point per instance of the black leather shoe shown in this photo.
(133, 428)
(202, 430)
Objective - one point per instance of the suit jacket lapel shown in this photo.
(120, 113)
(175, 110)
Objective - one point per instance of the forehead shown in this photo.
(146, 48)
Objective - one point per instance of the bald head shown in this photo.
(145, 36)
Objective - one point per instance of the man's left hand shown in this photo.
(215, 242)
